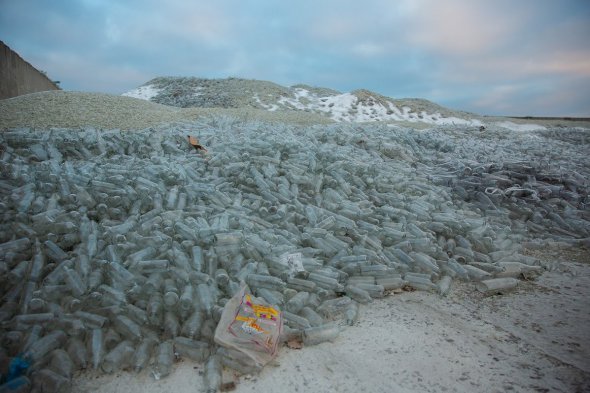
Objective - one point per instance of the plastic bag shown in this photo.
(251, 326)
(293, 262)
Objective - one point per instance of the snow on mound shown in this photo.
(520, 127)
(348, 107)
(146, 92)
(268, 107)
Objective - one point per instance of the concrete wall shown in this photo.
(17, 77)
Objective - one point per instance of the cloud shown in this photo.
(572, 63)
(455, 27)
(187, 21)
(500, 98)
(368, 49)
(81, 73)
(573, 98)
(113, 32)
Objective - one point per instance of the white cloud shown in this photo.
(173, 22)
(368, 49)
(458, 27)
(113, 32)
(499, 97)
(83, 73)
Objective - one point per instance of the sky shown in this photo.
(500, 57)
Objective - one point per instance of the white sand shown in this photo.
(535, 339)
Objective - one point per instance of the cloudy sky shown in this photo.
(511, 57)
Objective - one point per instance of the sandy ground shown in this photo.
(536, 339)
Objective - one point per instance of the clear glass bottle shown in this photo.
(171, 324)
(61, 363)
(78, 353)
(320, 334)
(44, 345)
(170, 293)
(155, 309)
(213, 374)
(297, 302)
(143, 354)
(164, 359)
(127, 328)
(192, 349)
(192, 326)
(117, 357)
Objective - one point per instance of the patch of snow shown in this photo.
(268, 107)
(519, 127)
(143, 92)
(346, 107)
(341, 107)
(299, 93)
(457, 121)
(197, 91)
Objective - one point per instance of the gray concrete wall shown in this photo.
(17, 77)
